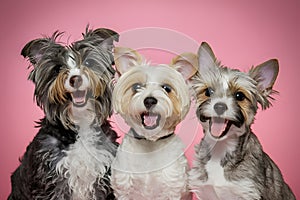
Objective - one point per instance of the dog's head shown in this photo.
(228, 99)
(152, 99)
(75, 76)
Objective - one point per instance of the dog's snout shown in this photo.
(220, 108)
(76, 81)
(149, 102)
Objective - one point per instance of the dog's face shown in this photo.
(75, 76)
(228, 99)
(152, 99)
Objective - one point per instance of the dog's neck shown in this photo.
(140, 137)
(144, 156)
(83, 118)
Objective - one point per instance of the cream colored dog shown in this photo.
(150, 163)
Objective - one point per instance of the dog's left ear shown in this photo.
(265, 75)
(186, 64)
(101, 37)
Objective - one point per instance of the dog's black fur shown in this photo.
(37, 176)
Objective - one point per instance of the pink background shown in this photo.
(241, 33)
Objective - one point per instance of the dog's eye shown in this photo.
(167, 88)
(135, 87)
(57, 68)
(208, 92)
(90, 63)
(240, 96)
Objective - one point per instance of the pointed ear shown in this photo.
(207, 58)
(265, 75)
(186, 64)
(35, 49)
(126, 58)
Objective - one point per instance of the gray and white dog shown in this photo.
(70, 156)
(230, 162)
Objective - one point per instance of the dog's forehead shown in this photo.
(231, 79)
(71, 60)
(160, 73)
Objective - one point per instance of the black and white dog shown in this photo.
(70, 156)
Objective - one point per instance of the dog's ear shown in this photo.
(207, 58)
(35, 49)
(101, 38)
(125, 58)
(109, 37)
(265, 75)
(186, 64)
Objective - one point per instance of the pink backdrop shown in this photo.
(242, 33)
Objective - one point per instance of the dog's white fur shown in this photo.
(152, 166)
(84, 163)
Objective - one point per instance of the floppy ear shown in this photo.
(109, 37)
(126, 58)
(102, 38)
(186, 64)
(265, 75)
(207, 58)
(35, 49)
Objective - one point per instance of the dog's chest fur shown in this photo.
(150, 170)
(212, 179)
(86, 161)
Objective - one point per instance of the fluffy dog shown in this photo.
(230, 162)
(71, 154)
(150, 162)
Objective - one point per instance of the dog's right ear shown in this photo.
(207, 58)
(35, 49)
(125, 58)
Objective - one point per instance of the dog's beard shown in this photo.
(62, 112)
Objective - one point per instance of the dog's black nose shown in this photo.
(149, 102)
(75, 81)
(220, 108)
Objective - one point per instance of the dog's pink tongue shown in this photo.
(218, 126)
(79, 97)
(150, 120)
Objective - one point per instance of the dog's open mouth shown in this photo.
(79, 97)
(150, 120)
(218, 127)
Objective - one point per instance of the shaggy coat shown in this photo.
(70, 156)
